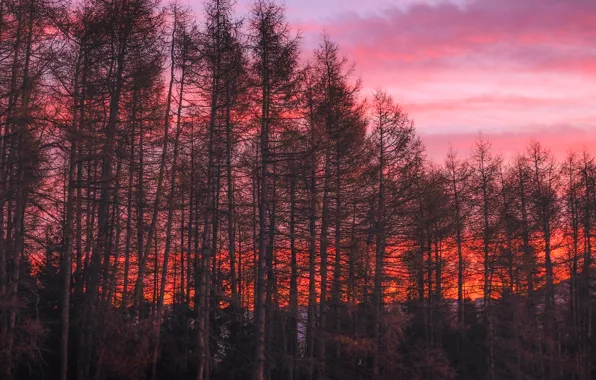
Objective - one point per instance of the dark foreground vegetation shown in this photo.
(187, 197)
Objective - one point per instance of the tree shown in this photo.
(275, 57)
(486, 189)
(399, 157)
(458, 175)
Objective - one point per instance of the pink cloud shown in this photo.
(453, 29)
(497, 67)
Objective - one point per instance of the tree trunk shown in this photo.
(169, 221)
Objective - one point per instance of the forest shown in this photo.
(192, 194)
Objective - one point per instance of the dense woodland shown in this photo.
(190, 194)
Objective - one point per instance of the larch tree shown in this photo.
(274, 63)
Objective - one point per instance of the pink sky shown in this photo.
(512, 70)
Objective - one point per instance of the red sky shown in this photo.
(512, 70)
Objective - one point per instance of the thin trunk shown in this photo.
(312, 243)
(337, 288)
(486, 287)
(150, 234)
(208, 220)
(259, 370)
(586, 276)
(379, 257)
(169, 220)
(66, 267)
(272, 299)
(131, 166)
(293, 341)
(460, 257)
(231, 217)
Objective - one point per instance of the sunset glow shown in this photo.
(297, 189)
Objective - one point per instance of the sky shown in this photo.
(511, 70)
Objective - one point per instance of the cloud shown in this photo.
(528, 32)
(499, 67)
